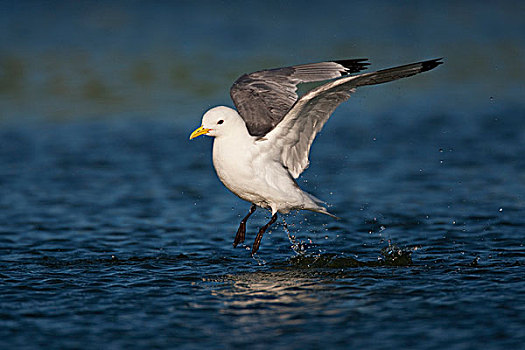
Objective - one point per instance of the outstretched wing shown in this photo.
(263, 98)
(294, 135)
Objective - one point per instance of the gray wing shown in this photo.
(293, 137)
(263, 98)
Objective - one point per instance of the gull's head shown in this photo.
(217, 122)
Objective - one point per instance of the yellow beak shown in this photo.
(200, 131)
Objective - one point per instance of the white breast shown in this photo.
(233, 160)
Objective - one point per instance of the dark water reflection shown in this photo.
(273, 307)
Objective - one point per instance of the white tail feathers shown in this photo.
(319, 208)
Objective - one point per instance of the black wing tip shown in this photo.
(431, 64)
(353, 65)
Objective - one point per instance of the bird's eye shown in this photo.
(220, 121)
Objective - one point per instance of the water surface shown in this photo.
(119, 235)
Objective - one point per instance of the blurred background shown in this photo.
(69, 60)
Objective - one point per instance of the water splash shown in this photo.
(391, 255)
(299, 247)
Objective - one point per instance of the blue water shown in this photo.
(116, 233)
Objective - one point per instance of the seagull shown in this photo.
(262, 147)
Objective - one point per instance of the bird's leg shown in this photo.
(239, 237)
(263, 229)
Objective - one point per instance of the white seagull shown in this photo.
(262, 147)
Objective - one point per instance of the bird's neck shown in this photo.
(230, 149)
